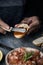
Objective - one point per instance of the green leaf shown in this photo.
(28, 55)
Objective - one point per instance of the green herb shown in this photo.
(28, 55)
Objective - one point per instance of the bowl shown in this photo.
(27, 48)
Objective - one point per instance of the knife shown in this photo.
(15, 29)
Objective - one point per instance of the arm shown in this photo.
(3, 24)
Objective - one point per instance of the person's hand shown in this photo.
(33, 23)
(3, 25)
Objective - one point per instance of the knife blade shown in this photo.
(22, 30)
(15, 29)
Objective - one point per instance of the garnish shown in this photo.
(28, 55)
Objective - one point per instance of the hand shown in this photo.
(3, 25)
(33, 23)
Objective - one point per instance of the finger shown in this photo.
(4, 25)
(26, 21)
(32, 27)
(33, 24)
(2, 31)
(17, 25)
(30, 30)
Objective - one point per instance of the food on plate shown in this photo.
(24, 56)
(1, 55)
(19, 34)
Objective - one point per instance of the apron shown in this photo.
(12, 11)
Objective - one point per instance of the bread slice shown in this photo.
(24, 26)
(38, 41)
(19, 34)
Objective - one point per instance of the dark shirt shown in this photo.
(13, 11)
(5, 3)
